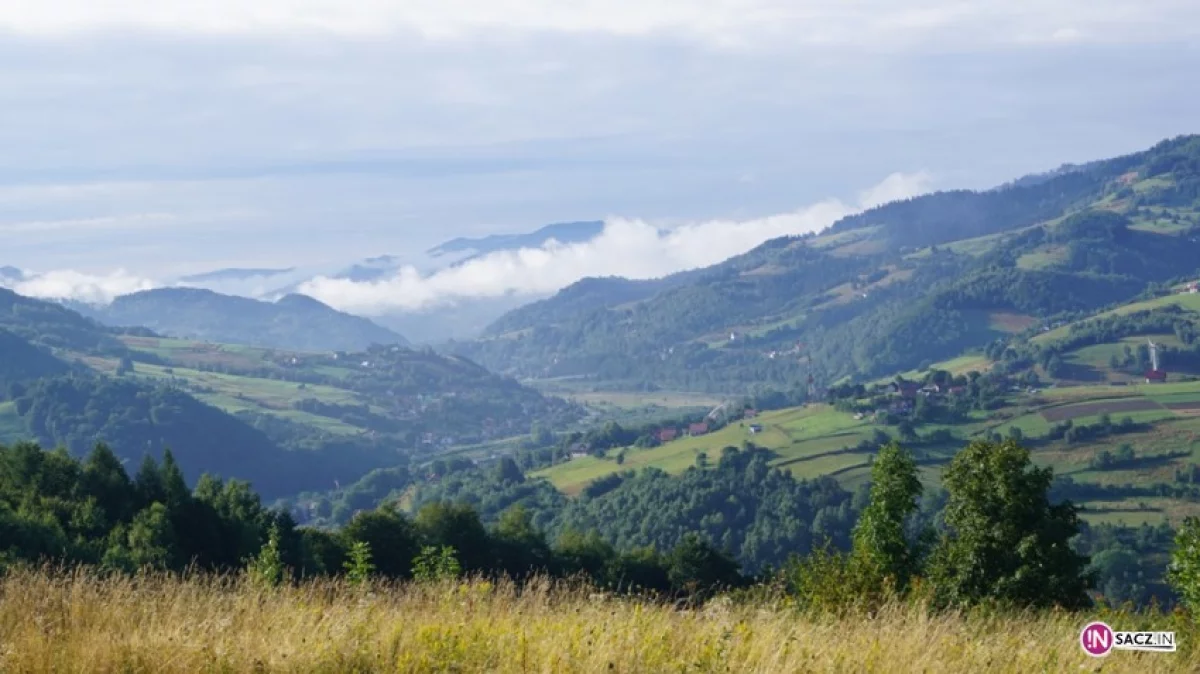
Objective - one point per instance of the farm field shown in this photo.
(1047, 256)
(229, 392)
(272, 394)
(191, 353)
(634, 400)
(1185, 301)
(955, 366)
(1091, 363)
(796, 433)
(818, 440)
(1010, 322)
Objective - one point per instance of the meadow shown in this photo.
(800, 436)
(235, 393)
(83, 622)
(1187, 302)
(817, 440)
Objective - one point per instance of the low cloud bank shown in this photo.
(629, 248)
(68, 284)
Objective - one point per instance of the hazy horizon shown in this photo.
(146, 141)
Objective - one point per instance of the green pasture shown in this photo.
(959, 365)
(1042, 258)
(636, 399)
(1186, 301)
(793, 433)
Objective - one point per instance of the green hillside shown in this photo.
(22, 360)
(242, 411)
(294, 322)
(818, 440)
(897, 287)
(1077, 392)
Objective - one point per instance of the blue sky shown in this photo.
(161, 139)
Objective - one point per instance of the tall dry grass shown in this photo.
(83, 623)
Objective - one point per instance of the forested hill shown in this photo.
(886, 290)
(77, 412)
(287, 421)
(20, 360)
(583, 297)
(54, 326)
(294, 322)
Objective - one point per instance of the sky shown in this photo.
(148, 139)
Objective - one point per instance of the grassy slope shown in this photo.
(235, 393)
(1186, 301)
(809, 441)
(168, 625)
(812, 441)
(805, 440)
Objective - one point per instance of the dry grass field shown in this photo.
(80, 622)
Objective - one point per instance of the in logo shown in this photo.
(1096, 639)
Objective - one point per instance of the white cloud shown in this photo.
(105, 223)
(1067, 34)
(318, 131)
(68, 284)
(860, 22)
(629, 248)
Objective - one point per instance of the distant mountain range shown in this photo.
(293, 322)
(262, 306)
(465, 319)
(887, 290)
(563, 232)
(10, 275)
(234, 274)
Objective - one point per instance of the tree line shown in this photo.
(995, 536)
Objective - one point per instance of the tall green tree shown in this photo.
(151, 539)
(175, 489)
(522, 549)
(456, 525)
(104, 479)
(390, 536)
(1006, 541)
(1184, 572)
(697, 567)
(879, 541)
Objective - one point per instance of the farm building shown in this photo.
(698, 429)
(750, 413)
(667, 434)
(1156, 376)
(755, 429)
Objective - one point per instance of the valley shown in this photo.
(747, 401)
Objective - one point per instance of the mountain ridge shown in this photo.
(294, 322)
(822, 304)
